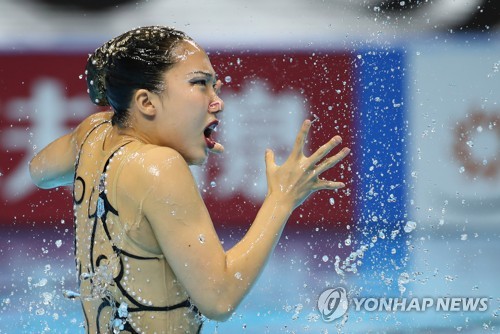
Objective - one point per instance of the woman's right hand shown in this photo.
(299, 176)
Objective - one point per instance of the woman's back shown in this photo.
(116, 251)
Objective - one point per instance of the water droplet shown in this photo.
(213, 184)
(47, 298)
(228, 79)
(410, 226)
(237, 275)
(201, 238)
(70, 294)
(464, 237)
(58, 243)
(332, 201)
(391, 198)
(41, 283)
(404, 278)
(325, 258)
(461, 169)
(85, 276)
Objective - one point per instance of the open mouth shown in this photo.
(211, 128)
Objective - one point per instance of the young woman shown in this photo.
(148, 257)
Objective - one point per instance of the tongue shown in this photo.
(218, 148)
(214, 146)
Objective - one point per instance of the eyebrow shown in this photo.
(207, 74)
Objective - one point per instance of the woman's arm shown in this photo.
(217, 280)
(54, 165)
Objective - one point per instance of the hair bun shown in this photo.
(95, 73)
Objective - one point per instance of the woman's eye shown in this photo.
(201, 82)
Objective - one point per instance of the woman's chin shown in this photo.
(197, 160)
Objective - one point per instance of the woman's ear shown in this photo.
(145, 102)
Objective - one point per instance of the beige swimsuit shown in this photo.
(116, 294)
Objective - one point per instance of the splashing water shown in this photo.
(403, 279)
(410, 226)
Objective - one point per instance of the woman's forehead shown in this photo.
(185, 49)
(191, 58)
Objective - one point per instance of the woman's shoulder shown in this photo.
(91, 122)
(153, 169)
(96, 118)
(153, 160)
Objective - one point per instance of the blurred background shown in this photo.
(413, 87)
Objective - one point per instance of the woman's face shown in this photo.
(189, 105)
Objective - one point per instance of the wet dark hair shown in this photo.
(134, 60)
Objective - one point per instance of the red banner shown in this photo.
(267, 96)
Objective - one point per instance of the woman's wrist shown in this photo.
(280, 202)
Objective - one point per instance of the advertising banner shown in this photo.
(456, 138)
(267, 96)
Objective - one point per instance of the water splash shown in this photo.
(410, 226)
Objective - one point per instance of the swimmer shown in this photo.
(138, 212)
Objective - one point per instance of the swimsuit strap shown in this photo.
(102, 209)
(85, 139)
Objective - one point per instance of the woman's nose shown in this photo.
(217, 105)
